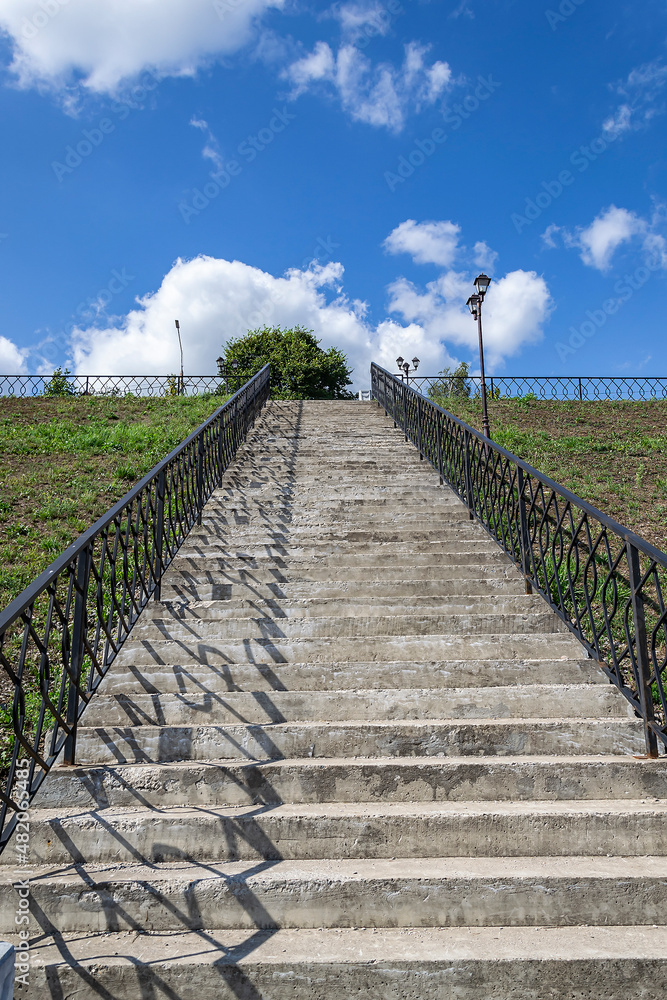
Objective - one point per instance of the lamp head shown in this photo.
(235, 364)
(473, 304)
(482, 282)
(399, 361)
(220, 363)
(415, 363)
(178, 325)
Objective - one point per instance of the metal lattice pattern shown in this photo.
(541, 387)
(59, 638)
(604, 581)
(121, 385)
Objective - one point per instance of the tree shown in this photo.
(451, 385)
(60, 384)
(300, 369)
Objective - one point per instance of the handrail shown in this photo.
(604, 581)
(584, 388)
(60, 636)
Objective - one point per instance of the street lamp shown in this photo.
(180, 344)
(404, 366)
(482, 282)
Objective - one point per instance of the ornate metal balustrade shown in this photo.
(61, 635)
(117, 385)
(541, 387)
(605, 582)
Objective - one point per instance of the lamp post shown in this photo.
(404, 366)
(180, 344)
(474, 303)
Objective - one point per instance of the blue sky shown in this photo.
(348, 166)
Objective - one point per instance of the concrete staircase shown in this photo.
(347, 756)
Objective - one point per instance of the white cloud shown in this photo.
(613, 227)
(484, 256)
(515, 310)
(362, 20)
(211, 150)
(218, 300)
(12, 359)
(548, 237)
(380, 95)
(103, 43)
(643, 99)
(605, 234)
(463, 10)
(426, 242)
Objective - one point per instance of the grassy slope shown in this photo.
(612, 454)
(64, 462)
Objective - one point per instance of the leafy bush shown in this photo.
(60, 384)
(300, 368)
(451, 385)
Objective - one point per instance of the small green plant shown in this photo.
(60, 384)
(451, 385)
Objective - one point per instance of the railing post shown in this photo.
(468, 473)
(79, 624)
(641, 651)
(200, 476)
(419, 427)
(159, 531)
(581, 395)
(438, 425)
(405, 410)
(524, 538)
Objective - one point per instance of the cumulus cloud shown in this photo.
(103, 43)
(217, 300)
(379, 95)
(515, 311)
(426, 242)
(598, 242)
(484, 256)
(643, 99)
(12, 359)
(362, 20)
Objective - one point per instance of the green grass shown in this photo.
(613, 454)
(64, 462)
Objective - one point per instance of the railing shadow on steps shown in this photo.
(60, 636)
(605, 582)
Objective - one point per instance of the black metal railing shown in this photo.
(539, 387)
(605, 582)
(61, 635)
(115, 385)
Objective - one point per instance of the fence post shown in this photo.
(581, 395)
(159, 531)
(492, 395)
(468, 473)
(405, 410)
(200, 476)
(641, 651)
(438, 424)
(79, 624)
(524, 538)
(419, 427)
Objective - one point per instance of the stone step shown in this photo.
(205, 586)
(359, 627)
(380, 550)
(345, 893)
(273, 652)
(200, 677)
(226, 610)
(631, 827)
(583, 701)
(379, 779)
(390, 574)
(106, 744)
(524, 963)
(334, 530)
